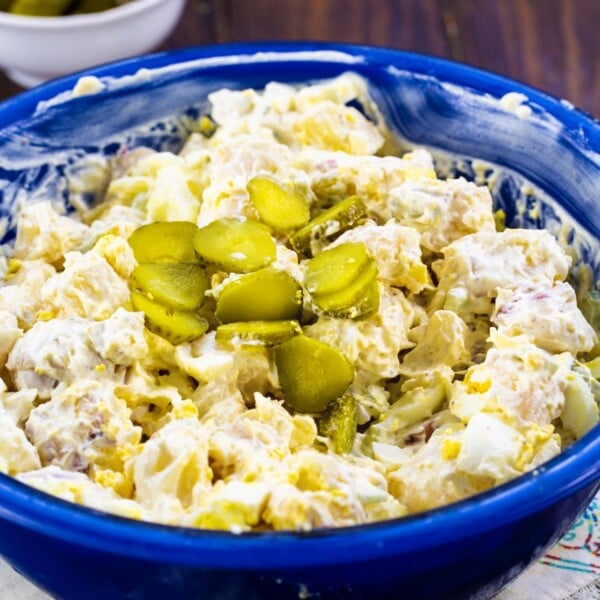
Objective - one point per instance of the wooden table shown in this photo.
(551, 44)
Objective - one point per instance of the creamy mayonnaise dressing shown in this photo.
(477, 366)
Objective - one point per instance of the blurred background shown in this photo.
(553, 45)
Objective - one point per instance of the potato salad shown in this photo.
(285, 326)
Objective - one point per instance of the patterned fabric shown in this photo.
(569, 570)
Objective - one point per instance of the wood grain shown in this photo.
(409, 24)
(553, 45)
(196, 27)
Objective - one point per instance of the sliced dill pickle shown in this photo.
(39, 8)
(206, 126)
(268, 333)
(590, 307)
(358, 300)
(500, 219)
(277, 207)
(265, 295)
(368, 305)
(177, 326)
(339, 422)
(334, 220)
(335, 269)
(177, 285)
(164, 242)
(234, 244)
(311, 373)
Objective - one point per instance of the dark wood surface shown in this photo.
(553, 45)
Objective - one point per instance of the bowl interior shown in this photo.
(543, 170)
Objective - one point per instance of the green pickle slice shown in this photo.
(277, 207)
(359, 300)
(164, 242)
(234, 244)
(265, 295)
(335, 269)
(311, 373)
(40, 8)
(334, 220)
(343, 282)
(339, 423)
(368, 305)
(267, 333)
(590, 307)
(176, 326)
(177, 285)
(206, 126)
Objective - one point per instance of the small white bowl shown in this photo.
(35, 49)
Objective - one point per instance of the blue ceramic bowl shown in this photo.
(547, 175)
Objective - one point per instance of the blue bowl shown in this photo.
(465, 550)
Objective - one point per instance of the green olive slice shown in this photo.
(265, 295)
(176, 326)
(334, 220)
(164, 242)
(277, 207)
(234, 244)
(339, 423)
(335, 269)
(311, 373)
(267, 333)
(177, 285)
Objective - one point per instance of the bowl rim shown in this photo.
(584, 126)
(60, 23)
(575, 468)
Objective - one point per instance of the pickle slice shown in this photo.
(334, 220)
(164, 242)
(177, 285)
(367, 307)
(265, 295)
(206, 126)
(277, 207)
(235, 245)
(176, 326)
(339, 422)
(335, 269)
(359, 300)
(590, 307)
(267, 333)
(39, 8)
(311, 373)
